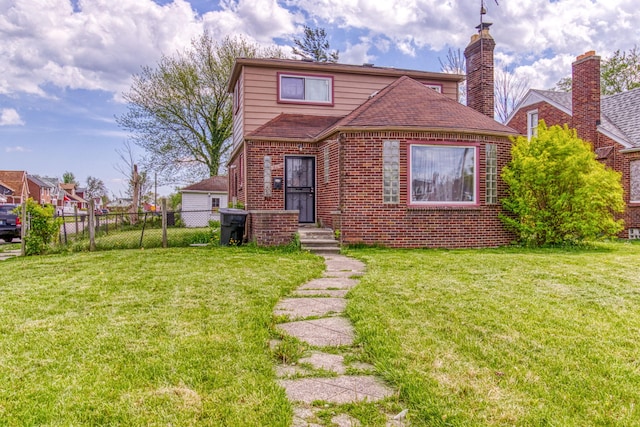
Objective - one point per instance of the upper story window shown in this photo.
(443, 175)
(312, 89)
(532, 124)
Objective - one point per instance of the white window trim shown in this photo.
(530, 126)
(472, 203)
(329, 79)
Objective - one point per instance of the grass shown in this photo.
(505, 337)
(502, 337)
(144, 337)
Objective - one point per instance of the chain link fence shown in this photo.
(124, 230)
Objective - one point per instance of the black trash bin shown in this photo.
(171, 219)
(232, 226)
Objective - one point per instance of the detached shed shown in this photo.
(202, 200)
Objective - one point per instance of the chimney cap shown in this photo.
(586, 55)
(484, 26)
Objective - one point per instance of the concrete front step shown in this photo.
(318, 240)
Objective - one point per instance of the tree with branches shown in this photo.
(619, 73)
(314, 46)
(180, 113)
(509, 91)
(95, 188)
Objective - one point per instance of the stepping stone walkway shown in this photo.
(315, 315)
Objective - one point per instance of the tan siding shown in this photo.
(349, 91)
(238, 117)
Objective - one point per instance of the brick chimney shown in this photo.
(479, 57)
(585, 96)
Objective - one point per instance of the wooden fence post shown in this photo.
(92, 226)
(165, 243)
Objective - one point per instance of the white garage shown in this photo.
(202, 200)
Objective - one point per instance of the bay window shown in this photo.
(443, 174)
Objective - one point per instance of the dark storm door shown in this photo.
(300, 183)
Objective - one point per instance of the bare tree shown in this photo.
(455, 63)
(95, 188)
(509, 91)
(137, 183)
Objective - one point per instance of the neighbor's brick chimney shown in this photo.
(585, 96)
(479, 56)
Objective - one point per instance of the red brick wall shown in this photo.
(273, 227)
(548, 113)
(366, 219)
(328, 193)
(585, 95)
(480, 87)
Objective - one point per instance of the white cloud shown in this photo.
(10, 117)
(17, 149)
(358, 53)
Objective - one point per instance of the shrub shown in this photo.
(558, 192)
(43, 228)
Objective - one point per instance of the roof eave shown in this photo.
(414, 129)
(336, 68)
(616, 138)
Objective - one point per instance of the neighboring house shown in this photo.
(70, 201)
(40, 190)
(14, 187)
(385, 156)
(201, 201)
(120, 204)
(610, 123)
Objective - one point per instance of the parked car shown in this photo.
(102, 211)
(9, 223)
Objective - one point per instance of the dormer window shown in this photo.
(308, 89)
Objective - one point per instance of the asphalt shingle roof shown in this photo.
(407, 103)
(294, 126)
(622, 111)
(214, 183)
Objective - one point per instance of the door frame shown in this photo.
(315, 182)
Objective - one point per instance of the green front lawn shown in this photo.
(505, 337)
(144, 337)
(179, 336)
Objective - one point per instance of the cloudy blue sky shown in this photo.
(64, 64)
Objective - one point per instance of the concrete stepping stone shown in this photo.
(343, 389)
(330, 283)
(285, 371)
(326, 361)
(304, 417)
(341, 263)
(345, 420)
(334, 331)
(335, 293)
(300, 308)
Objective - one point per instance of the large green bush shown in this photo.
(558, 192)
(43, 228)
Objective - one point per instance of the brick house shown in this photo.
(610, 123)
(386, 156)
(14, 187)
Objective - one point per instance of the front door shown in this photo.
(300, 183)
